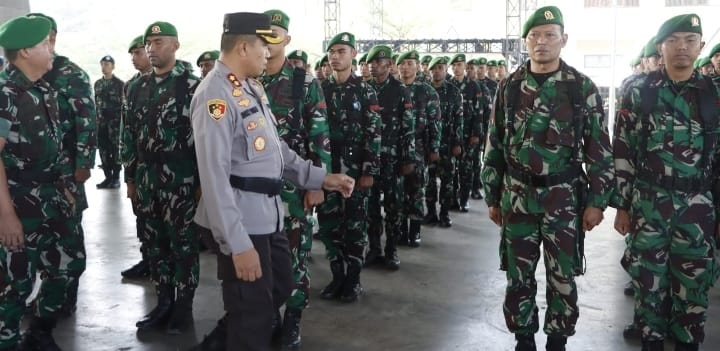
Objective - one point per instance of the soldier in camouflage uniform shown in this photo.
(473, 108)
(141, 62)
(206, 62)
(299, 59)
(666, 149)
(109, 102)
(297, 101)
(161, 175)
(397, 158)
(424, 72)
(36, 205)
(714, 56)
(364, 68)
(485, 103)
(355, 144)
(428, 132)
(502, 70)
(451, 126)
(77, 116)
(548, 124)
(492, 70)
(327, 70)
(319, 75)
(483, 78)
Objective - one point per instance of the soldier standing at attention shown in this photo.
(161, 175)
(502, 70)
(298, 104)
(35, 176)
(327, 70)
(299, 59)
(206, 62)
(397, 158)
(492, 71)
(451, 141)
(319, 72)
(243, 163)
(365, 68)
(666, 150)
(109, 102)
(482, 77)
(355, 144)
(548, 122)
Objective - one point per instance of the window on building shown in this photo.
(686, 2)
(609, 3)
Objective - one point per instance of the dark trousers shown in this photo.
(250, 306)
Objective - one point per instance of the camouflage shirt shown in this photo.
(127, 96)
(301, 120)
(398, 121)
(109, 97)
(472, 106)
(355, 126)
(544, 141)
(492, 87)
(428, 128)
(451, 115)
(157, 136)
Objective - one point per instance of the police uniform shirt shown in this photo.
(235, 134)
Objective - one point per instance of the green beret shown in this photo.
(160, 28)
(211, 55)
(354, 62)
(410, 55)
(650, 49)
(363, 58)
(714, 50)
(324, 59)
(542, 16)
(457, 58)
(481, 61)
(317, 65)
(395, 57)
(438, 60)
(704, 61)
(636, 61)
(682, 23)
(342, 38)
(279, 18)
(426, 59)
(52, 20)
(472, 62)
(492, 63)
(379, 52)
(138, 42)
(24, 32)
(502, 63)
(298, 55)
(447, 58)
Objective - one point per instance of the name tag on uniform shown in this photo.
(249, 112)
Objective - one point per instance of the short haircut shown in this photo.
(12, 54)
(228, 41)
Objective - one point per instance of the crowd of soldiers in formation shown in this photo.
(412, 130)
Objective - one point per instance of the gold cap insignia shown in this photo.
(207, 56)
(694, 21)
(299, 52)
(155, 29)
(345, 37)
(549, 15)
(381, 54)
(277, 17)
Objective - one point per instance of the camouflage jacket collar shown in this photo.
(18, 77)
(286, 71)
(176, 71)
(379, 86)
(660, 78)
(353, 79)
(563, 74)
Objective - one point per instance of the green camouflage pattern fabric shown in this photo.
(109, 103)
(398, 148)
(671, 251)
(159, 152)
(39, 173)
(355, 128)
(302, 124)
(476, 156)
(473, 108)
(544, 144)
(451, 134)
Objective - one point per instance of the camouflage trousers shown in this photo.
(414, 194)
(108, 139)
(445, 170)
(464, 177)
(174, 245)
(390, 186)
(299, 234)
(477, 166)
(522, 235)
(141, 232)
(343, 227)
(53, 248)
(671, 254)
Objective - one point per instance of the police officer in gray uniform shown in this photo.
(242, 163)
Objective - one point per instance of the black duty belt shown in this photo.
(269, 186)
(164, 156)
(544, 181)
(683, 184)
(28, 177)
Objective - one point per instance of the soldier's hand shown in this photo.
(457, 150)
(434, 156)
(366, 182)
(247, 265)
(314, 198)
(474, 140)
(622, 222)
(11, 231)
(408, 168)
(592, 217)
(339, 182)
(495, 215)
(81, 175)
(131, 191)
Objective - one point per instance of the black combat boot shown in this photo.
(104, 183)
(181, 318)
(476, 195)
(555, 343)
(291, 338)
(114, 182)
(403, 233)
(352, 289)
(653, 345)
(414, 234)
(681, 346)
(334, 289)
(374, 254)
(39, 336)
(138, 271)
(216, 340)
(525, 342)
(464, 203)
(628, 289)
(431, 217)
(392, 261)
(445, 221)
(632, 331)
(277, 324)
(161, 313)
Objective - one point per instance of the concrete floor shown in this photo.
(447, 295)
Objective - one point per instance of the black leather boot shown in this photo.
(291, 338)
(525, 342)
(632, 331)
(681, 346)
(445, 221)
(276, 335)
(392, 261)
(334, 289)
(161, 313)
(104, 183)
(653, 345)
(181, 318)
(555, 343)
(215, 341)
(138, 271)
(403, 233)
(39, 336)
(374, 254)
(628, 289)
(352, 289)
(414, 234)
(431, 218)
(114, 182)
